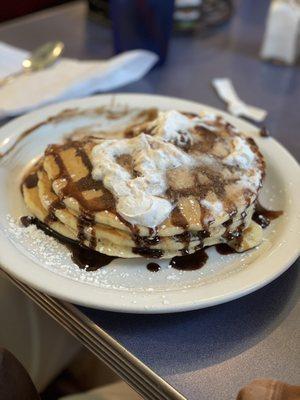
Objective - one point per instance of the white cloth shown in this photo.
(235, 105)
(114, 391)
(66, 79)
(36, 340)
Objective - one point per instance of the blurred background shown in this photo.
(16, 8)
(187, 15)
(160, 18)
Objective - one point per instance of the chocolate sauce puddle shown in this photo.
(189, 262)
(264, 132)
(85, 258)
(263, 217)
(31, 180)
(153, 267)
(224, 249)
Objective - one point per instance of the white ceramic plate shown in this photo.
(127, 285)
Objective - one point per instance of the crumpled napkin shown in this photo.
(66, 79)
(268, 389)
(112, 391)
(235, 105)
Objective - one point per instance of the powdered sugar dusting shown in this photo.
(121, 274)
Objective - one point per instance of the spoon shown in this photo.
(40, 58)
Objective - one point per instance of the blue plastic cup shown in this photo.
(142, 24)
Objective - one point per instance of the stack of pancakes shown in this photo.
(213, 202)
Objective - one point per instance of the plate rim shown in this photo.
(70, 293)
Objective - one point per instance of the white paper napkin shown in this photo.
(235, 105)
(66, 79)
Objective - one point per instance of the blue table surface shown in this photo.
(210, 353)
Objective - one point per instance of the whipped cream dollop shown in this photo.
(138, 196)
(175, 127)
(241, 156)
(140, 191)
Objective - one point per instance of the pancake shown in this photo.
(200, 176)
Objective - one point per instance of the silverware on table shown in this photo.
(40, 58)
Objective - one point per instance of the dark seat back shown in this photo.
(15, 382)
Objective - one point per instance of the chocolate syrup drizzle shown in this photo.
(143, 245)
(86, 219)
(92, 260)
(148, 252)
(55, 205)
(263, 217)
(84, 257)
(224, 249)
(146, 115)
(51, 120)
